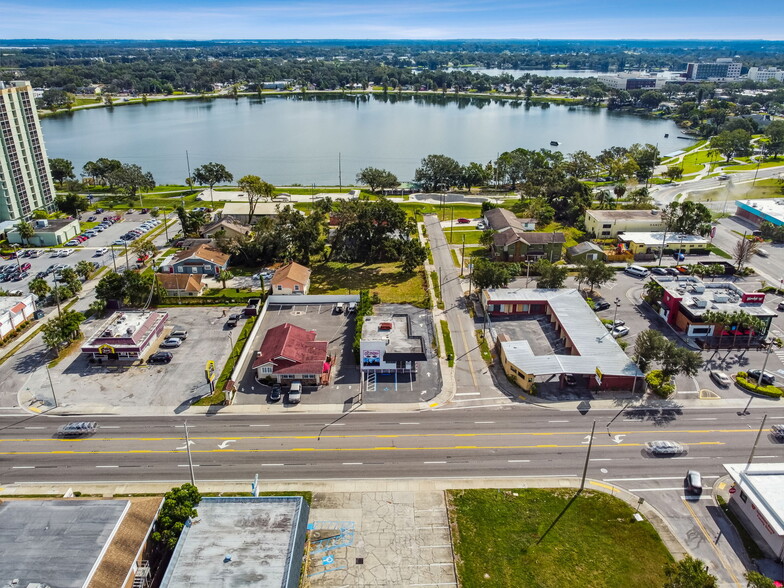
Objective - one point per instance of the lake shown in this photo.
(293, 139)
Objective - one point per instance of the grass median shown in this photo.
(449, 349)
(552, 538)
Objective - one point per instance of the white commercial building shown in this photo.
(763, 74)
(15, 310)
(632, 80)
(388, 345)
(25, 178)
(759, 498)
(722, 69)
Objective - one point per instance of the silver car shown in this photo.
(665, 448)
(77, 429)
(721, 378)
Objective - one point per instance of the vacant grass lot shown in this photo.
(772, 162)
(693, 162)
(570, 233)
(456, 238)
(385, 279)
(595, 542)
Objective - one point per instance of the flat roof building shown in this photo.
(25, 178)
(589, 348)
(639, 242)
(722, 69)
(388, 344)
(241, 542)
(757, 211)
(606, 224)
(760, 503)
(126, 335)
(14, 312)
(48, 233)
(686, 299)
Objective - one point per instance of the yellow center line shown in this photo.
(335, 449)
(368, 436)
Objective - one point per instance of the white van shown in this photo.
(637, 271)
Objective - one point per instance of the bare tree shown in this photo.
(255, 189)
(743, 252)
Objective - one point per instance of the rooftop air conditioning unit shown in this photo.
(698, 288)
(700, 303)
(719, 297)
(41, 223)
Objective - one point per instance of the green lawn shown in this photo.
(386, 279)
(595, 542)
(694, 161)
(769, 188)
(750, 166)
(570, 233)
(456, 237)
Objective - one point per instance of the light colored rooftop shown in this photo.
(242, 209)
(699, 296)
(655, 239)
(8, 302)
(611, 215)
(398, 340)
(763, 483)
(127, 327)
(591, 339)
(771, 209)
(256, 533)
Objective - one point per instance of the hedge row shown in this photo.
(742, 379)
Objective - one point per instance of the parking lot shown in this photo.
(78, 382)
(336, 329)
(113, 256)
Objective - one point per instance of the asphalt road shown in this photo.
(666, 193)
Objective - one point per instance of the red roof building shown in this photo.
(290, 353)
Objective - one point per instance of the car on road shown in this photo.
(665, 448)
(762, 252)
(233, 320)
(768, 378)
(77, 429)
(99, 252)
(600, 304)
(160, 357)
(119, 242)
(620, 331)
(723, 177)
(295, 393)
(171, 342)
(693, 482)
(463, 221)
(275, 393)
(777, 431)
(721, 378)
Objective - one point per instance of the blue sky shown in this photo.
(384, 19)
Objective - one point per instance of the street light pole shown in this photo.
(587, 457)
(51, 385)
(756, 440)
(188, 449)
(617, 305)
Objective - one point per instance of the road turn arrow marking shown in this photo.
(225, 444)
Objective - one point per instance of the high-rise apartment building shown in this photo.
(25, 178)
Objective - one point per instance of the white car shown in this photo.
(66, 252)
(119, 242)
(171, 342)
(99, 252)
(620, 331)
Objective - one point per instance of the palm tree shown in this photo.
(39, 287)
(755, 326)
(224, 276)
(717, 318)
(84, 269)
(26, 231)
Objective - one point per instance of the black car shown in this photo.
(693, 482)
(275, 393)
(768, 379)
(160, 357)
(233, 319)
(599, 304)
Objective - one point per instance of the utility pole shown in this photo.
(452, 224)
(340, 172)
(756, 440)
(462, 256)
(57, 297)
(587, 457)
(188, 449)
(127, 263)
(50, 382)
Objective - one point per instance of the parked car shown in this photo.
(620, 331)
(721, 378)
(666, 448)
(179, 333)
(780, 305)
(171, 342)
(160, 357)
(295, 393)
(768, 378)
(25, 266)
(77, 429)
(463, 221)
(275, 393)
(777, 431)
(659, 271)
(338, 308)
(694, 482)
(233, 320)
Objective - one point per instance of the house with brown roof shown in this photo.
(292, 278)
(181, 284)
(498, 219)
(513, 245)
(290, 353)
(201, 259)
(227, 226)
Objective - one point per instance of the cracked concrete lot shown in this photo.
(380, 539)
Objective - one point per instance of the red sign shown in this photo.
(713, 232)
(732, 490)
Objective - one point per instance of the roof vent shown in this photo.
(385, 326)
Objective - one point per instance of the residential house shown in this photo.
(586, 251)
(498, 219)
(181, 284)
(202, 259)
(239, 211)
(606, 224)
(292, 278)
(227, 226)
(290, 353)
(513, 245)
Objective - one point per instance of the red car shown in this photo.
(25, 267)
(463, 221)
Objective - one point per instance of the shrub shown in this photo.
(750, 384)
(659, 385)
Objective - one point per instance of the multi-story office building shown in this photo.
(763, 74)
(25, 178)
(721, 69)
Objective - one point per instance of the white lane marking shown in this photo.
(601, 459)
(267, 465)
(484, 422)
(185, 465)
(706, 419)
(763, 457)
(258, 425)
(334, 424)
(701, 497)
(408, 423)
(557, 421)
(654, 489)
(108, 427)
(647, 479)
(352, 463)
(35, 427)
(433, 462)
(518, 460)
(468, 394)
(22, 467)
(108, 466)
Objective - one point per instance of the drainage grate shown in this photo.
(297, 312)
(360, 560)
